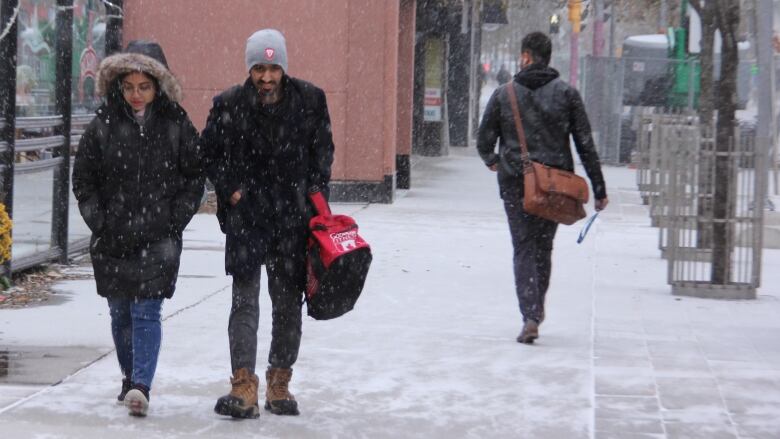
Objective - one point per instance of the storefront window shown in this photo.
(89, 44)
(36, 61)
(89, 48)
(39, 135)
(36, 58)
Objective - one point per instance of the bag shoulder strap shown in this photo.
(320, 203)
(519, 127)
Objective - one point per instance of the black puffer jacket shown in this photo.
(551, 111)
(137, 186)
(275, 157)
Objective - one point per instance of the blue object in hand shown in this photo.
(586, 227)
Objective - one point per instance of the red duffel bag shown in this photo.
(337, 263)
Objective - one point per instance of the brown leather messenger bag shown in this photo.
(550, 193)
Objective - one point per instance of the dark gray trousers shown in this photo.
(286, 269)
(532, 240)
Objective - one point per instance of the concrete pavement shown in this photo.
(429, 351)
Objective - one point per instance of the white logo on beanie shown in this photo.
(269, 54)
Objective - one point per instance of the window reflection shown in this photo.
(36, 58)
(38, 133)
(89, 43)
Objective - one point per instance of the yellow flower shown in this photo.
(5, 235)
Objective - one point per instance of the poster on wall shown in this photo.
(434, 72)
(432, 105)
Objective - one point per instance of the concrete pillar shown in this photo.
(406, 23)
(458, 77)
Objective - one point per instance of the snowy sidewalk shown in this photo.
(429, 352)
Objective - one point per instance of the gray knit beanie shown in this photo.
(266, 46)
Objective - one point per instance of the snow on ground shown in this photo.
(429, 351)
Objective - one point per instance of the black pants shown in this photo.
(286, 268)
(532, 240)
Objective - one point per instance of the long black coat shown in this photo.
(275, 157)
(137, 189)
(552, 111)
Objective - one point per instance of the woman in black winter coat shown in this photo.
(138, 184)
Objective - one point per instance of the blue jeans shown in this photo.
(137, 330)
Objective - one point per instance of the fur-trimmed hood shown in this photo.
(114, 66)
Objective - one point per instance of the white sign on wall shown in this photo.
(432, 105)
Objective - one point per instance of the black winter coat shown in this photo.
(551, 111)
(275, 156)
(137, 189)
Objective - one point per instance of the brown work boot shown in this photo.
(278, 399)
(529, 333)
(241, 402)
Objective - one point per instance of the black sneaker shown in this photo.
(126, 386)
(137, 400)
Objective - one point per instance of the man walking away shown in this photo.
(551, 111)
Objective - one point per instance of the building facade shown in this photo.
(360, 53)
(398, 76)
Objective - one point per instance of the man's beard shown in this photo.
(271, 96)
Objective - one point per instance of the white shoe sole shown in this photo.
(136, 403)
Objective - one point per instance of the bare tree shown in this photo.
(727, 19)
(706, 113)
(708, 29)
(723, 16)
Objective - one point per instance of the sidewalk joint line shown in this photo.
(102, 356)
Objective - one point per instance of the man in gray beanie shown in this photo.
(268, 146)
(266, 46)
